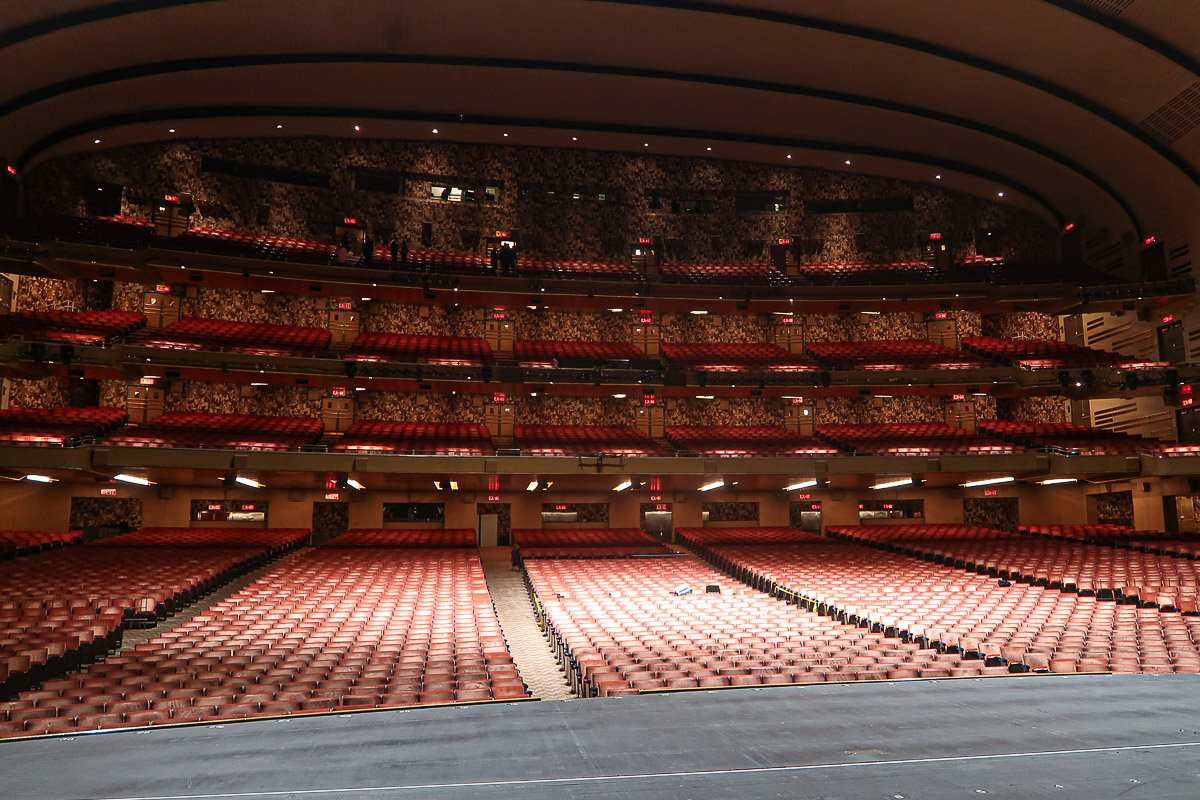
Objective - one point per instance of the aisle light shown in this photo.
(708, 487)
(801, 485)
(622, 486)
(132, 479)
(1053, 481)
(253, 484)
(893, 484)
(987, 482)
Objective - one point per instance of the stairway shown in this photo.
(530, 650)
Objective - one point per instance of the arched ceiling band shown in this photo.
(216, 112)
(279, 59)
(1130, 32)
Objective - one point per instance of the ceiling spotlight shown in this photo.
(574, 138)
(506, 136)
(847, 162)
(789, 155)
(170, 130)
(709, 149)
(622, 486)
(39, 478)
(279, 127)
(97, 141)
(708, 487)
(253, 484)
(620, 395)
(132, 479)
(987, 482)
(801, 485)
(352, 482)
(699, 312)
(1053, 481)
(435, 130)
(937, 177)
(646, 144)
(999, 194)
(358, 127)
(893, 484)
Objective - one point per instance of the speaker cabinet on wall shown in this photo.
(166, 493)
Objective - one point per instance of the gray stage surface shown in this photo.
(1063, 737)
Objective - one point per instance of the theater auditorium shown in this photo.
(599, 398)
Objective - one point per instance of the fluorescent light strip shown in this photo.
(622, 486)
(531, 486)
(132, 479)
(893, 484)
(355, 484)
(800, 485)
(454, 486)
(987, 482)
(708, 487)
(253, 484)
(39, 478)
(1053, 481)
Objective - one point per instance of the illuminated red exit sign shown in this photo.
(12, 170)
(349, 220)
(108, 492)
(783, 241)
(170, 198)
(648, 400)
(147, 381)
(247, 506)
(643, 240)
(941, 315)
(214, 506)
(162, 288)
(493, 497)
(499, 397)
(331, 495)
(560, 508)
(337, 391)
(958, 397)
(662, 507)
(990, 492)
(501, 234)
(656, 497)
(935, 236)
(804, 496)
(1168, 318)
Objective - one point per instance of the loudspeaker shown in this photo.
(166, 492)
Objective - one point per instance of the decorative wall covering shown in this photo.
(1115, 508)
(998, 513)
(120, 512)
(730, 512)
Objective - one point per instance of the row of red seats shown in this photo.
(1167, 581)
(581, 537)
(258, 338)
(191, 429)
(422, 438)
(72, 327)
(745, 440)
(336, 628)
(414, 537)
(23, 543)
(697, 538)
(446, 350)
(740, 274)
(849, 273)
(621, 629)
(254, 245)
(1040, 354)
(576, 440)
(542, 353)
(1080, 439)
(726, 357)
(921, 438)
(97, 588)
(57, 427)
(948, 607)
(892, 355)
(553, 268)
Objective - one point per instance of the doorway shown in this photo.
(487, 530)
(1171, 346)
(805, 516)
(658, 520)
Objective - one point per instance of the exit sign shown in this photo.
(170, 198)
(349, 220)
(162, 288)
(662, 507)
(493, 497)
(804, 496)
(957, 397)
(108, 492)
(337, 391)
(941, 315)
(147, 381)
(783, 241)
(331, 495)
(656, 497)
(644, 240)
(935, 236)
(990, 492)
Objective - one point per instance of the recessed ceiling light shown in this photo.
(506, 136)
(646, 144)
(97, 141)
(937, 177)
(847, 162)
(708, 148)
(574, 138)
(789, 155)
(170, 130)
(279, 127)
(435, 130)
(999, 194)
(358, 127)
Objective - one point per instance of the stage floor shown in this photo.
(1063, 737)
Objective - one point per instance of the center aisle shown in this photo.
(534, 659)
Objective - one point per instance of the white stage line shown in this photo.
(655, 775)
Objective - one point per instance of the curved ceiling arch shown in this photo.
(1130, 32)
(250, 60)
(89, 127)
(116, 9)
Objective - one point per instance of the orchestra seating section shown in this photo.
(439, 538)
(914, 439)
(66, 607)
(1184, 545)
(420, 349)
(851, 273)
(544, 353)
(418, 438)
(94, 328)
(332, 628)
(194, 429)
(736, 274)
(584, 440)
(256, 338)
(957, 606)
(892, 355)
(253, 245)
(620, 628)
(597, 270)
(24, 543)
(57, 427)
(1072, 439)
(745, 440)
(1039, 354)
(586, 543)
(722, 357)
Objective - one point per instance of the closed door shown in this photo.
(487, 530)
